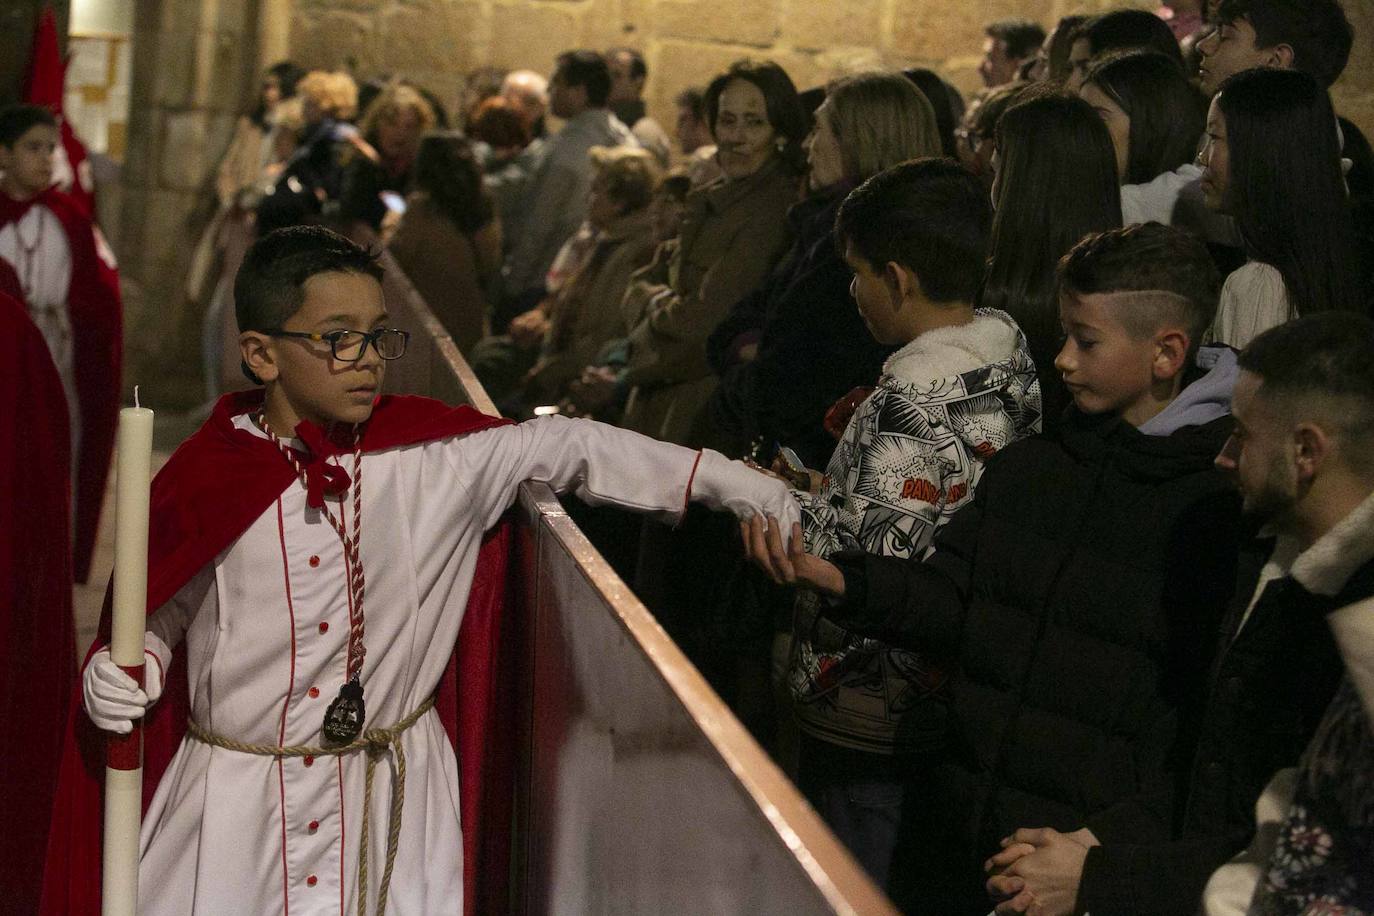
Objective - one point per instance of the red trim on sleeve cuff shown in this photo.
(687, 500)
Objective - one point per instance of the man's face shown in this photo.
(997, 67)
(1215, 160)
(692, 132)
(1257, 455)
(566, 101)
(314, 384)
(1080, 56)
(624, 87)
(1229, 50)
(28, 163)
(1105, 368)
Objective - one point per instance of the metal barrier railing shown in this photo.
(638, 790)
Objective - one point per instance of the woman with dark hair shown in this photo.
(1052, 63)
(448, 241)
(1288, 199)
(1055, 182)
(947, 103)
(1155, 117)
(733, 232)
(1119, 30)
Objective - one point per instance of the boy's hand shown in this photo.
(112, 698)
(527, 330)
(790, 566)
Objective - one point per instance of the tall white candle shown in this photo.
(124, 766)
(134, 453)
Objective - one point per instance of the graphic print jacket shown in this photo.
(910, 457)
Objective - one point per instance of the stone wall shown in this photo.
(685, 42)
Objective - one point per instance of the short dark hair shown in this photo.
(587, 69)
(638, 69)
(1167, 113)
(785, 112)
(1327, 357)
(1317, 30)
(931, 216)
(270, 285)
(447, 170)
(1127, 30)
(1021, 36)
(17, 120)
(694, 100)
(1149, 257)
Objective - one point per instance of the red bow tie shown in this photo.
(321, 478)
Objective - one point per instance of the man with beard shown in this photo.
(1302, 455)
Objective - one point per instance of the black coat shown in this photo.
(813, 347)
(1269, 689)
(1080, 594)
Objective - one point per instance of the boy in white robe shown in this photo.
(266, 624)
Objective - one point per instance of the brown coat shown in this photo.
(733, 232)
(586, 313)
(449, 268)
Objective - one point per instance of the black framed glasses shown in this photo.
(349, 346)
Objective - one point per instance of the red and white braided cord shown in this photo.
(357, 583)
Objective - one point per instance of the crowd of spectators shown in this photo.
(1073, 379)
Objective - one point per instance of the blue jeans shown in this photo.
(862, 811)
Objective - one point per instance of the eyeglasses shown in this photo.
(349, 346)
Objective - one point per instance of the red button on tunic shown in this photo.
(324, 627)
(314, 692)
(314, 825)
(309, 761)
(314, 561)
(311, 880)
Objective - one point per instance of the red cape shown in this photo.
(37, 640)
(97, 338)
(191, 522)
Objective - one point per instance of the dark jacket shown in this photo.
(1080, 594)
(360, 197)
(1269, 687)
(813, 347)
(313, 175)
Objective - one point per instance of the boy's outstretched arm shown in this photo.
(606, 466)
(910, 604)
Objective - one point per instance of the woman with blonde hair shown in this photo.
(391, 129)
(314, 173)
(797, 344)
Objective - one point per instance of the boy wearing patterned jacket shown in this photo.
(961, 387)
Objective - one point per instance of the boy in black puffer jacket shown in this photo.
(1080, 592)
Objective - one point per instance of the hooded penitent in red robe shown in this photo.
(37, 643)
(97, 341)
(45, 84)
(211, 489)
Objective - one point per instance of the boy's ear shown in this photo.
(1171, 353)
(901, 281)
(1281, 56)
(257, 354)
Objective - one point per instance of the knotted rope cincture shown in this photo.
(376, 741)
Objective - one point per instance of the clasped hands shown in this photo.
(1038, 871)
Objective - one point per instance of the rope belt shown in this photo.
(376, 741)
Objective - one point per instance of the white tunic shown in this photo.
(266, 627)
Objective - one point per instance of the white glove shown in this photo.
(732, 485)
(111, 697)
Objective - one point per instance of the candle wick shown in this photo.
(136, 404)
